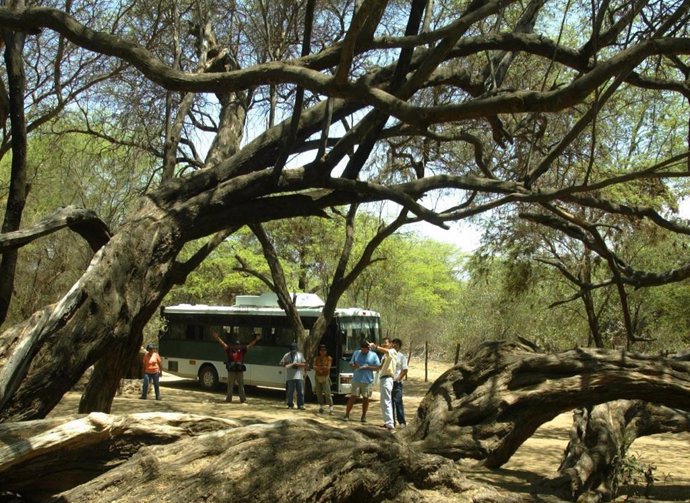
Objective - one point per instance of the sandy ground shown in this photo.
(536, 458)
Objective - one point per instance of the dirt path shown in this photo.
(536, 458)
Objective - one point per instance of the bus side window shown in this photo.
(194, 332)
(206, 330)
(267, 336)
(190, 332)
(284, 336)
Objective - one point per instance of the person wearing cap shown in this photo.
(295, 365)
(235, 352)
(152, 372)
(364, 362)
(322, 370)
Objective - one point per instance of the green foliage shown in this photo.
(215, 281)
(76, 170)
(493, 305)
(630, 470)
(415, 288)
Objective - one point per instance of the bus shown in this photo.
(188, 350)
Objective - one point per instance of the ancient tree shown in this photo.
(532, 109)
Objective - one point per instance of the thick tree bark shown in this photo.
(599, 440)
(40, 458)
(108, 372)
(114, 299)
(496, 398)
(19, 187)
(291, 461)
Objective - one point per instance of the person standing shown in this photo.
(400, 376)
(322, 370)
(386, 374)
(152, 372)
(235, 353)
(294, 364)
(364, 362)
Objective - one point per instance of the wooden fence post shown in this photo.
(426, 361)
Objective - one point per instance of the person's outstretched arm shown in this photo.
(221, 341)
(257, 338)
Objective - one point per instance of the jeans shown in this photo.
(291, 385)
(151, 377)
(236, 377)
(387, 401)
(398, 402)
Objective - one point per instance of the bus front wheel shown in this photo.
(208, 377)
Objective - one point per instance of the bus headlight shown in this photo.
(345, 378)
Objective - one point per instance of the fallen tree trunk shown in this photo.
(495, 399)
(209, 459)
(41, 458)
(599, 442)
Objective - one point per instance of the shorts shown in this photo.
(361, 389)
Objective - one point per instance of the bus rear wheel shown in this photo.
(208, 377)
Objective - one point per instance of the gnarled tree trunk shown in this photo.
(174, 457)
(599, 441)
(114, 299)
(41, 458)
(495, 399)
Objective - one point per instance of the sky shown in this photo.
(462, 234)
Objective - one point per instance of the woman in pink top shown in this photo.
(152, 372)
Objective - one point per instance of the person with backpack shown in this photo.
(235, 353)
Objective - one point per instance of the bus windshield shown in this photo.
(356, 329)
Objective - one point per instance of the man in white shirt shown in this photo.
(386, 374)
(400, 376)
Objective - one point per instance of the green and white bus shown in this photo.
(188, 350)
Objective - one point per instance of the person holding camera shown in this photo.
(235, 364)
(295, 366)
